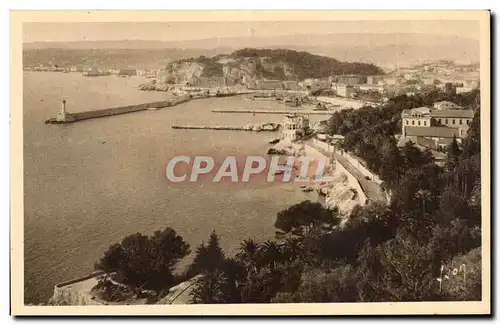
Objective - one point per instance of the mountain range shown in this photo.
(385, 50)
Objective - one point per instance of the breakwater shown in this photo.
(67, 117)
(248, 127)
(272, 111)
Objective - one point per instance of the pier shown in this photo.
(249, 127)
(64, 117)
(272, 111)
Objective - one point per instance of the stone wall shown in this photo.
(353, 182)
(360, 167)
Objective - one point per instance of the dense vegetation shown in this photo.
(269, 64)
(406, 251)
(307, 65)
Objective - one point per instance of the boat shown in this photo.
(223, 94)
(274, 141)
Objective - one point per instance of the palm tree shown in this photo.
(271, 254)
(425, 196)
(248, 254)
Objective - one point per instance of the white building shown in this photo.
(445, 105)
(373, 80)
(295, 127)
(344, 90)
(464, 89)
(456, 120)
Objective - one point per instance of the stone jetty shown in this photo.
(248, 127)
(272, 111)
(64, 117)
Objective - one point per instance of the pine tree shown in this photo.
(199, 261)
(208, 257)
(215, 254)
(453, 154)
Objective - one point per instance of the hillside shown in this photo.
(110, 58)
(247, 65)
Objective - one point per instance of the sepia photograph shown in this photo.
(250, 163)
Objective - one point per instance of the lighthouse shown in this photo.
(61, 116)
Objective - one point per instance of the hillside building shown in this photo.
(438, 125)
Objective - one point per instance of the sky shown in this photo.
(180, 31)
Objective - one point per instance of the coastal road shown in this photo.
(372, 190)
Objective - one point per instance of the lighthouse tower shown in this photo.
(61, 116)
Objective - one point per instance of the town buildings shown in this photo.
(348, 79)
(268, 84)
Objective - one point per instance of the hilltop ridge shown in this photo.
(250, 64)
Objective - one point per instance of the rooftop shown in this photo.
(433, 132)
(443, 102)
(458, 113)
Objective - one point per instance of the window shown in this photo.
(406, 122)
(425, 123)
(468, 122)
(419, 122)
(445, 121)
(412, 122)
(460, 121)
(453, 121)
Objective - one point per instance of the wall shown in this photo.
(359, 166)
(323, 145)
(65, 296)
(314, 153)
(353, 182)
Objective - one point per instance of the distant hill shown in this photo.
(385, 50)
(111, 58)
(247, 65)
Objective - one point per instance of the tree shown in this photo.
(392, 162)
(271, 254)
(113, 259)
(199, 261)
(146, 261)
(248, 254)
(210, 289)
(208, 257)
(452, 155)
(398, 270)
(303, 217)
(464, 277)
